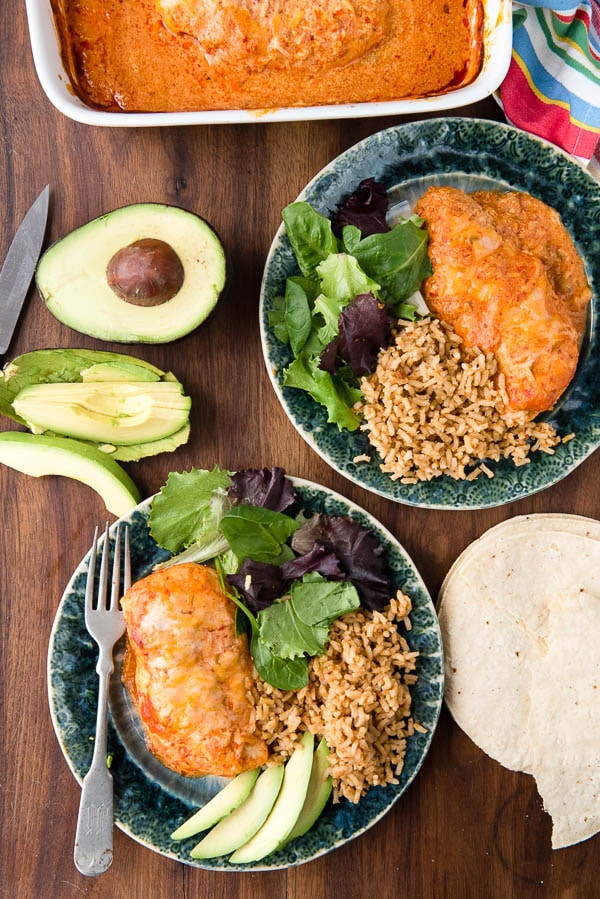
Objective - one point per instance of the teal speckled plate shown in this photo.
(150, 800)
(470, 154)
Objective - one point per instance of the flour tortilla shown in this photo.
(525, 525)
(488, 657)
(565, 728)
(520, 618)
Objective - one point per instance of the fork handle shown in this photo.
(93, 852)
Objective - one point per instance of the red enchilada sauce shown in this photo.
(181, 55)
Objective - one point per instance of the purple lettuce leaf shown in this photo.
(330, 358)
(366, 208)
(358, 550)
(320, 559)
(259, 583)
(268, 488)
(364, 327)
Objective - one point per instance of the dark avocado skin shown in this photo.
(136, 451)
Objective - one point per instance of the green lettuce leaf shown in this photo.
(390, 266)
(285, 674)
(189, 508)
(310, 235)
(259, 534)
(337, 396)
(396, 259)
(297, 315)
(342, 279)
(300, 625)
(329, 311)
(276, 317)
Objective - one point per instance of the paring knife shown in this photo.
(19, 266)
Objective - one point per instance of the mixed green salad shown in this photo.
(357, 276)
(290, 575)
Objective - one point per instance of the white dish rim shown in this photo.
(55, 83)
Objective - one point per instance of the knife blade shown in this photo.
(19, 266)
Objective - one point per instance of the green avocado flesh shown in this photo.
(260, 812)
(317, 794)
(245, 821)
(286, 809)
(72, 275)
(107, 371)
(222, 804)
(103, 371)
(114, 411)
(37, 456)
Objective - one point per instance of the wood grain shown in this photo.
(466, 827)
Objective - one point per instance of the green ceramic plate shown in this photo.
(470, 154)
(150, 800)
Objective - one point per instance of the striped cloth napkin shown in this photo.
(552, 88)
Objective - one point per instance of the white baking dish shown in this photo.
(56, 84)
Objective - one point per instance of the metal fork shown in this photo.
(94, 837)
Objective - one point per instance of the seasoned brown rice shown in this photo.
(434, 406)
(357, 698)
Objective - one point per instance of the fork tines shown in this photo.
(102, 592)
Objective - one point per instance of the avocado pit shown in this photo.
(147, 272)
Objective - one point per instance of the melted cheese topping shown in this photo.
(181, 55)
(508, 278)
(278, 33)
(189, 674)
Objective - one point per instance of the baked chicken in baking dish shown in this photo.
(260, 32)
(266, 54)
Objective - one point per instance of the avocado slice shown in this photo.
(74, 276)
(223, 803)
(69, 365)
(127, 371)
(61, 366)
(317, 794)
(39, 455)
(237, 828)
(113, 412)
(286, 809)
(133, 452)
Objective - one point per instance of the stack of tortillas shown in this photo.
(520, 617)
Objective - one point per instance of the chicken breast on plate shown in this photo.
(188, 673)
(507, 277)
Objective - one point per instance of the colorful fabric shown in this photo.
(552, 88)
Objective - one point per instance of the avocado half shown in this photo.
(157, 294)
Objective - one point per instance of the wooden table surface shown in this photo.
(466, 827)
